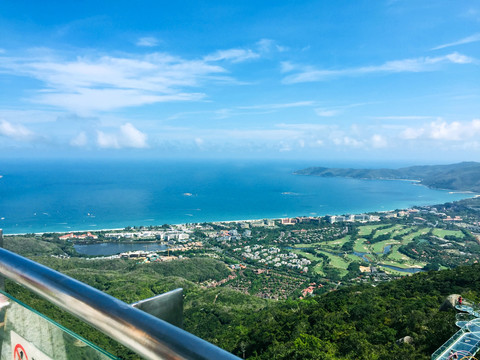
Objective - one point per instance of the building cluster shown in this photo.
(87, 236)
(273, 256)
(147, 256)
(213, 283)
(351, 218)
(310, 289)
(229, 235)
(299, 220)
(161, 235)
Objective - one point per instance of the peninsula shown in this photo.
(464, 176)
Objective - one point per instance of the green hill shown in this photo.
(463, 176)
(360, 322)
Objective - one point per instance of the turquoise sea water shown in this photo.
(46, 196)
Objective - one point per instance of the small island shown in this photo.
(464, 176)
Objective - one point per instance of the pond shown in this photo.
(407, 270)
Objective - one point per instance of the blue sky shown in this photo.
(379, 80)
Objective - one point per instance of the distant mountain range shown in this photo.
(463, 176)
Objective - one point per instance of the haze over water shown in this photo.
(61, 196)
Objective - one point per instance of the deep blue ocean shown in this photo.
(47, 196)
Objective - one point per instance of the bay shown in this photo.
(62, 196)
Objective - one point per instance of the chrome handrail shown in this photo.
(141, 332)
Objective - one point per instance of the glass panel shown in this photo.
(25, 334)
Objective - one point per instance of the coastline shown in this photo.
(227, 221)
(222, 221)
(146, 203)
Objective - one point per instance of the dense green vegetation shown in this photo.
(358, 322)
(463, 176)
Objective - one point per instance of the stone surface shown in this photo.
(449, 302)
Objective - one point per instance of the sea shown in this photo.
(38, 196)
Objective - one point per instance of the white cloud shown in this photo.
(287, 66)
(378, 141)
(107, 140)
(412, 133)
(15, 131)
(86, 100)
(89, 84)
(441, 130)
(454, 131)
(466, 40)
(199, 142)
(268, 45)
(148, 41)
(421, 64)
(127, 137)
(233, 55)
(347, 141)
(80, 140)
(132, 137)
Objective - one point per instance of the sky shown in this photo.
(338, 80)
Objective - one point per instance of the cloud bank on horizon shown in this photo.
(320, 80)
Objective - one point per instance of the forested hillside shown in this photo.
(463, 176)
(359, 322)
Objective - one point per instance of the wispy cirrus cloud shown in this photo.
(403, 117)
(238, 55)
(327, 112)
(147, 41)
(225, 113)
(465, 40)
(336, 110)
(15, 131)
(422, 64)
(279, 105)
(268, 45)
(89, 84)
(233, 55)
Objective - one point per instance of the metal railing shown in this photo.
(141, 332)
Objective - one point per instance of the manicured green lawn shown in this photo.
(367, 229)
(337, 244)
(307, 255)
(318, 269)
(396, 255)
(360, 246)
(353, 258)
(336, 261)
(402, 231)
(387, 231)
(410, 237)
(306, 245)
(442, 233)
